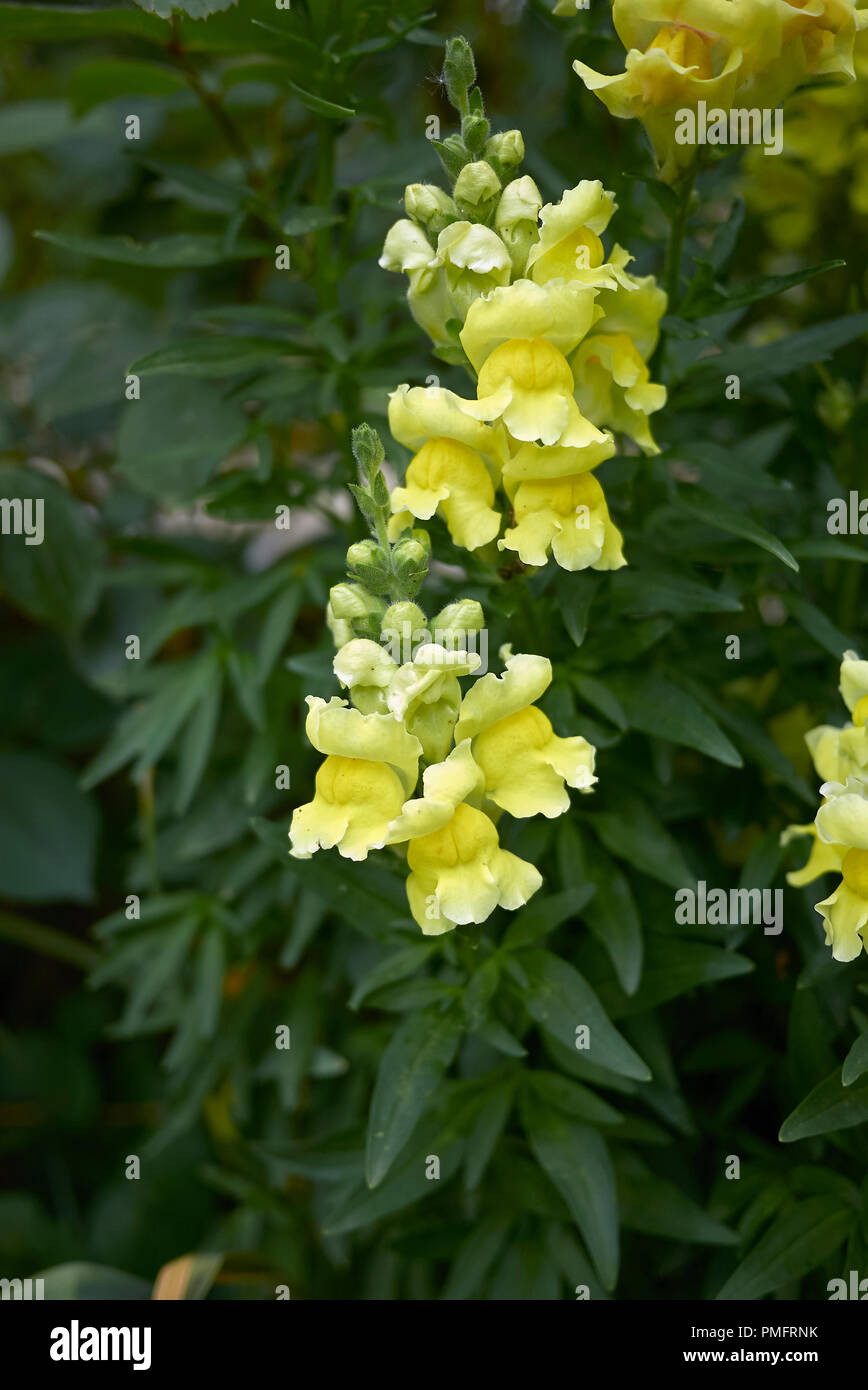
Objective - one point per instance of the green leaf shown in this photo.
(173, 440)
(663, 709)
(319, 106)
(421, 1049)
(104, 79)
(56, 23)
(475, 1258)
(757, 364)
(634, 833)
(818, 626)
(185, 251)
(672, 967)
(56, 579)
(856, 1061)
(485, 1134)
(614, 919)
(211, 357)
(405, 1185)
(830, 1107)
(196, 744)
(48, 832)
(33, 125)
(714, 512)
(574, 1099)
(799, 1240)
(543, 916)
(647, 591)
(560, 999)
(397, 965)
(657, 1207)
(308, 219)
(720, 300)
(576, 1159)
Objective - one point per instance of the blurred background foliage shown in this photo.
(155, 777)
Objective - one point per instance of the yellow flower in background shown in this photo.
(679, 67)
(726, 53)
(459, 874)
(333, 728)
(614, 387)
(840, 829)
(444, 786)
(569, 517)
(367, 670)
(421, 413)
(535, 462)
(408, 249)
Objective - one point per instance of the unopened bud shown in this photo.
(476, 185)
(430, 206)
(464, 616)
(507, 148)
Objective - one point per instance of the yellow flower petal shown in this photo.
(355, 802)
(459, 874)
(560, 312)
(613, 387)
(333, 728)
(452, 479)
(526, 764)
(568, 516)
(495, 697)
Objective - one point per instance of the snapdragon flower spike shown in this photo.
(483, 749)
(557, 336)
(839, 833)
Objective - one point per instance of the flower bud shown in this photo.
(474, 131)
(506, 148)
(459, 70)
(339, 628)
(406, 248)
(464, 616)
(367, 553)
(517, 220)
(453, 154)
(397, 614)
(349, 601)
(430, 206)
(409, 556)
(476, 186)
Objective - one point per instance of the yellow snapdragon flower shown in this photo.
(524, 763)
(371, 763)
(614, 387)
(569, 517)
(459, 874)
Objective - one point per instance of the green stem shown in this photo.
(676, 240)
(35, 936)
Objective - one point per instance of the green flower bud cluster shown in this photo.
(477, 161)
(379, 569)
